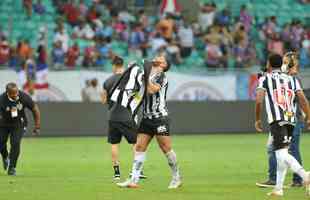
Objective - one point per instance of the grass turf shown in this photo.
(214, 167)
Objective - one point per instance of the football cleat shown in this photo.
(276, 193)
(175, 183)
(127, 184)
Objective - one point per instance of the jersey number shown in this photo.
(283, 98)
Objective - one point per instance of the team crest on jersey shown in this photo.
(19, 106)
(161, 129)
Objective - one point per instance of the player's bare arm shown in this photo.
(37, 119)
(304, 104)
(260, 94)
(153, 88)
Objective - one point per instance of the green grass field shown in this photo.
(214, 167)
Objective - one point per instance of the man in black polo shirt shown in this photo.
(13, 123)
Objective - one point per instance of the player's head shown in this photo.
(274, 62)
(12, 91)
(117, 63)
(162, 62)
(290, 63)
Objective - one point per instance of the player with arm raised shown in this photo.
(155, 122)
(279, 91)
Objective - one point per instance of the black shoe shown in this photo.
(12, 172)
(5, 162)
(143, 176)
(266, 184)
(117, 177)
(296, 184)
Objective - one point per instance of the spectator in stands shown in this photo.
(4, 51)
(119, 27)
(172, 53)
(90, 56)
(286, 36)
(143, 19)
(186, 39)
(243, 53)
(71, 12)
(41, 59)
(271, 27)
(62, 36)
(39, 8)
(58, 55)
(245, 18)
(103, 51)
(83, 8)
(157, 43)
(30, 69)
(15, 63)
(92, 13)
(83, 31)
(126, 17)
(166, 27)
(296, 34)
(28, 7)
(275, 45)
(305, 54)
(213, 55)
(72, 56)
(207, 15)
(24, 50)
(137, 41)
(224, 18)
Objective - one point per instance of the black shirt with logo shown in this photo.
(12, 113)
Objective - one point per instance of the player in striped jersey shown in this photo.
(155, 122)
(280, 90)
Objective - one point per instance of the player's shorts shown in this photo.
(282, 135)
(157, 126)
(119, 129)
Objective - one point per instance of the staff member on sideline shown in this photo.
(13, 123)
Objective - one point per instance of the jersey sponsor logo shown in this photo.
(162, 129)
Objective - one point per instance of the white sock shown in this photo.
(137, 166)
(172, 161)
(292, 163)
(281, 169)
(296, 167)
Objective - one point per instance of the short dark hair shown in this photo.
(168, 66)
(10, 86)
(275, 60)
(117, 61)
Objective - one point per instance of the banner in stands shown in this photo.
(68, 85)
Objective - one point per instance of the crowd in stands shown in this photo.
(85, 34)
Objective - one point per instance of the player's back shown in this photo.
(116, 111)
(280, 97)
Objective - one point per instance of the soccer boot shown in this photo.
(175, 183)
(127, 184)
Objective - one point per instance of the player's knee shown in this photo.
(140, 147)
(165, 147)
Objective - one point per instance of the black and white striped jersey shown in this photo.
(155, 105)
(280, 98)
(129, 90)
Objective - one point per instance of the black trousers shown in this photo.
(15, 134)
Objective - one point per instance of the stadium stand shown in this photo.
(232, 40)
